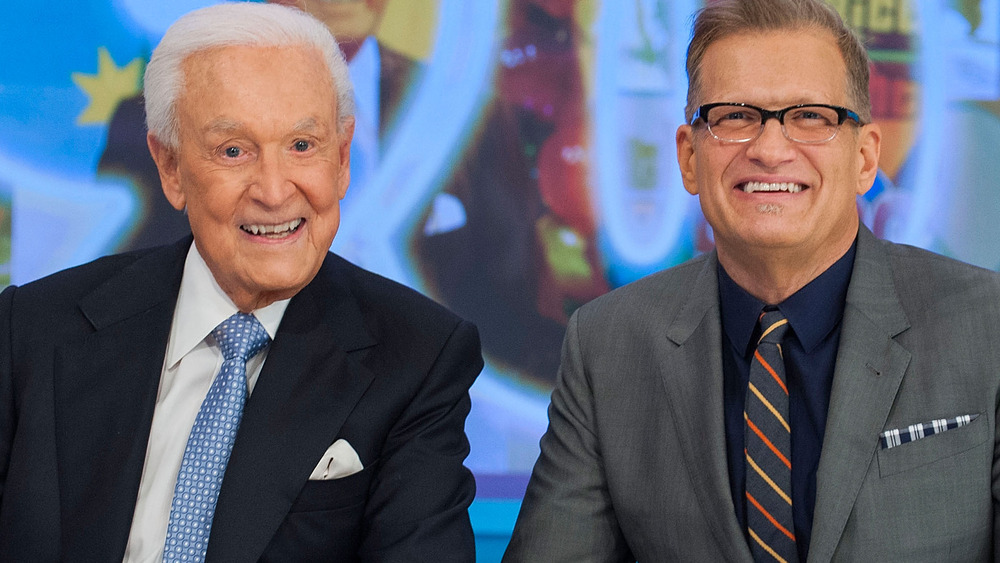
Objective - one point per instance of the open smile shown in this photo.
(786, 187)
(280, 230)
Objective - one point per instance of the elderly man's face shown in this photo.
(813, 210)
(260, 167)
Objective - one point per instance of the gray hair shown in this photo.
(241, 23)
(730, 17)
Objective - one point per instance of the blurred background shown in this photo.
(513, 160)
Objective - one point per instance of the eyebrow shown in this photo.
(227, 125)
(223, 125)
(307, 124)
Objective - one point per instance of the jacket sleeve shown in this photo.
(7, 417)
(418, 508)
(567, 514)
(996, 482)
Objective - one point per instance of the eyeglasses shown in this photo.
(803, 123)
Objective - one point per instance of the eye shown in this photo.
(301, 146)
(815, 117)
(732, 116)
(232, 152)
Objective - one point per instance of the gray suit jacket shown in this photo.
(633, 465)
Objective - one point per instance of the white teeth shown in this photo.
(274, 231)
(790, 187)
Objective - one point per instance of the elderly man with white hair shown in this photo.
(243, 394)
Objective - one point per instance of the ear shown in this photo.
(869, 147)
(344, 148)
(167, 164)
(686, 158)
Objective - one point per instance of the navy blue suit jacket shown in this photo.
(356, 356)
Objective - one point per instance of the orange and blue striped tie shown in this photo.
(768, 448)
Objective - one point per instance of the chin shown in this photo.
(770, 239)
(280, 282)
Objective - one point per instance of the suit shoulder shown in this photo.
(78, 300)
(389, 300)
(930, 284)
(665, 290)
(917, 266)
(72, 283)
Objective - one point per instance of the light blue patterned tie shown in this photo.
(211, 440)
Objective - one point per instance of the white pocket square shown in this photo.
(339, 461)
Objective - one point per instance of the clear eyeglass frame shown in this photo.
(737, 122)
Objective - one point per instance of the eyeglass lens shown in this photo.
(808, 124)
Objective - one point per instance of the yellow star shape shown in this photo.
(107, 88)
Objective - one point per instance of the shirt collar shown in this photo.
(202, 305)
(812, 311)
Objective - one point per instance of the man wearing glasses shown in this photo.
(804, 390)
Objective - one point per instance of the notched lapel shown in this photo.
(691, 366)
(104, 389)
(306, 390)
(870, 367)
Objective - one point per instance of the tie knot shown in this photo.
(772, 326)
(240, 336)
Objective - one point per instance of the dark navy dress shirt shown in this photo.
(814, 314)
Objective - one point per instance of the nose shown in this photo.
(272, 185)
(771, 147)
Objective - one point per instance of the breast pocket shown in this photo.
(324, 523)
(933, 448)
(334, 494)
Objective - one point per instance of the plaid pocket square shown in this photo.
(900, 436)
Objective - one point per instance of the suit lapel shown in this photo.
(870, 367)
(104, 389)
(306, 390)
(692, 372)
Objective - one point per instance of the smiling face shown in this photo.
(771, 194)
(260, 167)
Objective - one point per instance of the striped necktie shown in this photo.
(768, 448)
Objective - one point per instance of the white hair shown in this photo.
(240, 23)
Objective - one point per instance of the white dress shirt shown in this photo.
(191, 363)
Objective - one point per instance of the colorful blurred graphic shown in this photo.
(514, 159)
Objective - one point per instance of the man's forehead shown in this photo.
(754, 43)
(237, 67)
(771, 67)
(247, 89)
(209, 61)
